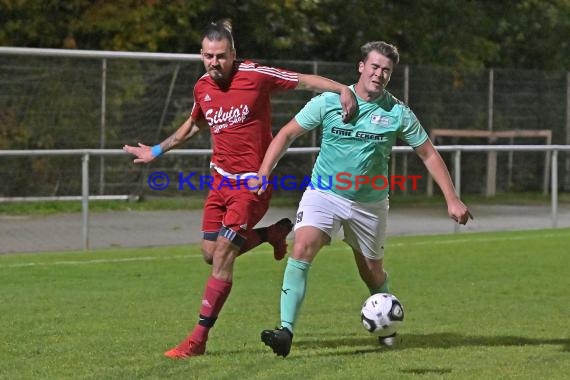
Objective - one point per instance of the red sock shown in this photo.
(215, 295)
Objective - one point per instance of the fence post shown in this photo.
(554, 188)
(457, 179)
(491, 185)
(167, 101)
(85, 200)
(567, 165)
(102, 141)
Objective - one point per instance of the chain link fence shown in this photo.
(61, 99)
(58, 99)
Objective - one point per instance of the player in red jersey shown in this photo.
(233, 100)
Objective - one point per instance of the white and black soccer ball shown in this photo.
(382, 314)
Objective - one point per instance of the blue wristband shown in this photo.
(156, 150)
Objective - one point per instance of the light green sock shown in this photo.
(293, 291)
(384, 288)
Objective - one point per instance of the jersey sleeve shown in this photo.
(412, 132)
(277, 79)
(312, 114)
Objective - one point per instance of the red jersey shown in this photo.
(240, 116)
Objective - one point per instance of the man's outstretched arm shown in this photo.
(438, 170)
(322, 84)
(145, 153)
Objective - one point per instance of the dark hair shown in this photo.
(381, 47)
(219, 30)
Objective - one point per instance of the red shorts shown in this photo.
(233, 205)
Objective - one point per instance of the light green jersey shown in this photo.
(360, 148)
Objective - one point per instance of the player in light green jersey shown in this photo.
(352, 154)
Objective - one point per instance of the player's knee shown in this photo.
(308, 241)
(208, 257)
(223, 263)
(304, 250)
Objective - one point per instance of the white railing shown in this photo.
(8, 50)
(85, 155)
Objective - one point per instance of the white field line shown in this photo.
(102, 261)
(264, 251)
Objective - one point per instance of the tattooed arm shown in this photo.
(187, 130)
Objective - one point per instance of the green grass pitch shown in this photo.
(478, 306)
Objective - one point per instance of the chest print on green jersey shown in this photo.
(380, 120)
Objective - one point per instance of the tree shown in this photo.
(461, 33)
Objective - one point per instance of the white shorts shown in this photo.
(364, 224)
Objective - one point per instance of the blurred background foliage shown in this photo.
(527, 34)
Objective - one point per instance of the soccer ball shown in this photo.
(381, 314)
